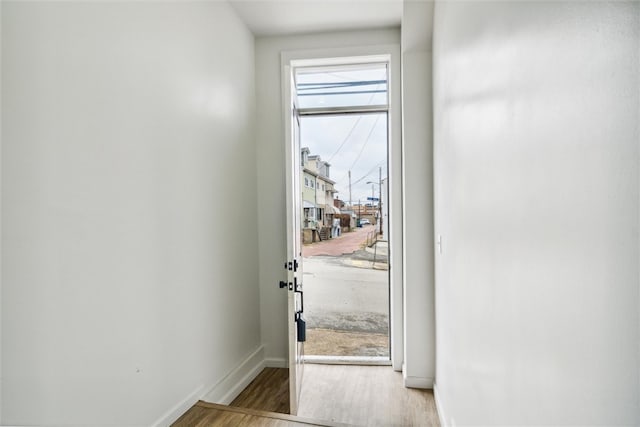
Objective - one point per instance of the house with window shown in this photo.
(317, 196)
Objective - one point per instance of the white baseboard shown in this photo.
(232, 385)
(439, 407)
(417, 382)
(224, 391)
(174, 413)
(275, 362)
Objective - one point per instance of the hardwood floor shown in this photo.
(269, 391)
(335, 394)
(204, 414)
(365, 396)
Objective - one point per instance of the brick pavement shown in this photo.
(347, 243)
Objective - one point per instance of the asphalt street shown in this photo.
(342, 297)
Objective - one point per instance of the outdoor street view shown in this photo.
(347, 296)
(344, 193)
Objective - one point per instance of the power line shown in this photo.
(346, 138)
(321, 88)
(360, 92)
(351, 131)
(383, 81)
(365, 142)
(348, 83)
(363, 146)
(335, 85)
(377, 165)
(369, 173)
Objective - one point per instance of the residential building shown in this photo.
(317, 192)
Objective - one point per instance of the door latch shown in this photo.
(291, 265)
(284, 284)
(297, 287)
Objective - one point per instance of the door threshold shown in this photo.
(348, 360)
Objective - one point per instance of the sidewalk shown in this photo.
(347, 243)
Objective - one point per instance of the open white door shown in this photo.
(296, 323)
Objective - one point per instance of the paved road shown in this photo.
(345, 244)
(342, 297)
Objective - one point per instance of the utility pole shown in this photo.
(380, 200)
(350, 205)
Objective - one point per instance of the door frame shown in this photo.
(354, 55)
(294, 246)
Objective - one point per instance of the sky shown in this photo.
(348, 142)
(364, 150)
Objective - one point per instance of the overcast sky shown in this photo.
(348, 142)
(363, 152)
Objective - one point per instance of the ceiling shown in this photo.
(275, 17)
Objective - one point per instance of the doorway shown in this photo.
(344, 159)
(343, 119)
(325, 104)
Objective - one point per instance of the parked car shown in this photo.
(364, 221)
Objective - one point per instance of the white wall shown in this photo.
(0, 212)
(271, 170)
(537, 182)
(417, 167)
(129, 208)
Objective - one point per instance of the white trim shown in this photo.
(372, 54)
(176, 412)
(395, 193)
(229, 387)
(224, 391)
(439, 407)
(348, 360)
(275, 362)
(417, 382)
(340, 56)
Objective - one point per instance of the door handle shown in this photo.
(298, 289)
(301, 326)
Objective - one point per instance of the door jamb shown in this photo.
(366, 54)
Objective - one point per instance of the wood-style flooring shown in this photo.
(204, 414)
(364, 396)
(269, 391)
(334, 394)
